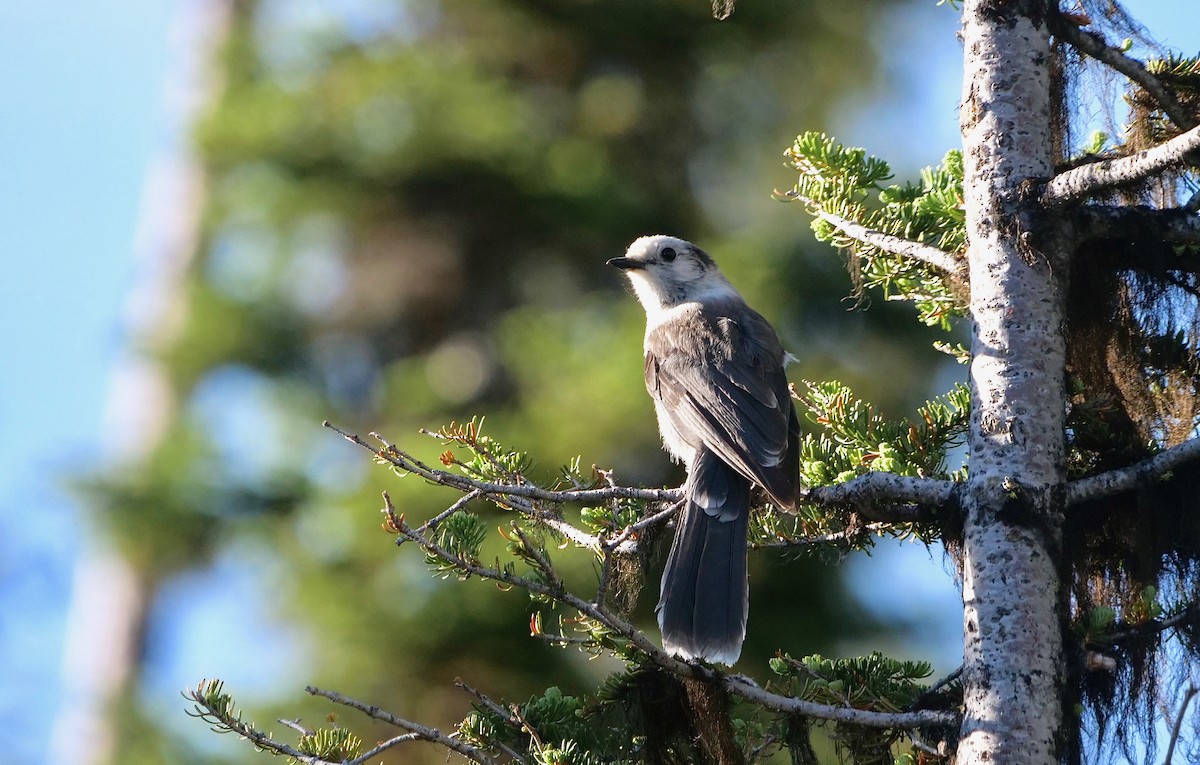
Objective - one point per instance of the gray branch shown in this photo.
(1088, 180)
(1133, 477)
(1094, 45)
(886, 497)
(749, 690)
(422, 732)
(406, 462)
(906, 248)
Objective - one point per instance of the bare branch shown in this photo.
(906, 248)
(886, 497)
(1095, 46)
(424, 733)
(462, 502)
(1154, 626)
(1188, 695)
(1173, 224)
(1134, 476)
(1097, 177)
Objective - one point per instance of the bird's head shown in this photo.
(666, 271)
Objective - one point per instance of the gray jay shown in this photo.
(714, 368)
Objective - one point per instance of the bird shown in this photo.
(715, 370)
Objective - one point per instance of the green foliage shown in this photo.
(872, 682)
(462, 533)
(866, 682)
(550, 728)
(330, 744)
(613, 517)
(847, 183)
(854, 439)
(490, 460)
(217, 708)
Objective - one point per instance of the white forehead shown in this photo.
(648, 245)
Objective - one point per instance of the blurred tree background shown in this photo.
(406, 207)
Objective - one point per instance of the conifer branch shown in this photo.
(1134, 476)
(421, 732)
(1093, 45)
(397, 458)
(736, 684)
(906, 248)
(1095, 178)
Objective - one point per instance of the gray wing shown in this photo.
(721, 381)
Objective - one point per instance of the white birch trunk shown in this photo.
(1012, 504)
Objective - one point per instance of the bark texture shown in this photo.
(1013, 501)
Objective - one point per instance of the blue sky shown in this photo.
(83, 115)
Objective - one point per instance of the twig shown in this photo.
(296, 726)
(1154, 626)
(253, 735)
(383, 746)
(1094, 45)
(496, 709)
(1183, 705)
(462, 502)
(932, 691)
(410, 464)
(1134, 476)
(424, 733)
(1097, 177)
(615, 544)
(895, 245)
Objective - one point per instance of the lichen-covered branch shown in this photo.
(1092, 179)
(886, 497)
(1129, 478)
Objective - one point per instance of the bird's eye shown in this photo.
(668, 254)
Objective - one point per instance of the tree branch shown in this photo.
(886, 497)
(736, 684)
(1188, 695)
(406, 462)
(1173, 224)
(1089, 180)
(751, 691)
(422, 732)
(927, 254)
(1133, 476)
(1154, 626)
(1095, 46)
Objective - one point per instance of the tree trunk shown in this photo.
(1013, 500)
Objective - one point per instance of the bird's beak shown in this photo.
(626, 264)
